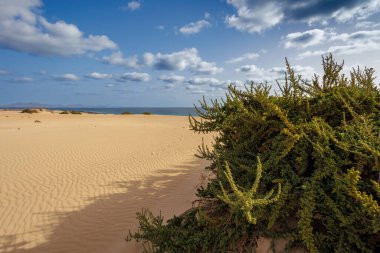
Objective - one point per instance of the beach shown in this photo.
(73, 183)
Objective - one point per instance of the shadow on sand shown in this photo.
(102, 225)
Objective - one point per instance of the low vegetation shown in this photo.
(31, 110)
(147, 113)
(70, 112)
(126, 113)
(302, 165)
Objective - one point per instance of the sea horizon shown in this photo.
(175, 111)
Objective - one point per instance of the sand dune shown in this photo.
(73, 183)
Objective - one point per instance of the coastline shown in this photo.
(173, 111)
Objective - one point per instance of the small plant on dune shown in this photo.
(126, 113)
(147, 113)
(75, 112)
(70, 112)
(30, 110)
(319, 140)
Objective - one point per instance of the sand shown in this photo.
(73, 183)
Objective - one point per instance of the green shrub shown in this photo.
(147, 113)
(75, 112)
(31, 110)
(318, 139)
(70, 112)
(126, 113)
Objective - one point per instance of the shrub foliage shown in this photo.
(317, 143)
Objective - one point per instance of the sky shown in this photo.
(170, 53)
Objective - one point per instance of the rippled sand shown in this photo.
(73, 183)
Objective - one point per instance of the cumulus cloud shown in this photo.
(134, 76)
(203, 81)
(211, 86)
(259, 74)
(132, 6)
(67, 78)
(225, 84)
(171, 78)
(181, 60)
(349, 43)
(187, 59)
(194, 27)
(206, 68)
(258, 15)
(247, 56)
(98, 76)
(117, 58)
(305, 39)
(254, 16)
(23, 28)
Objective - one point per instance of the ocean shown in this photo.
(179, 111)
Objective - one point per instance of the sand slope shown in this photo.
(73, 183)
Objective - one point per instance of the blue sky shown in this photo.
(170, 53)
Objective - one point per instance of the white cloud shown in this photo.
(259, 74)
(225, 84)
(171, 78)
(187, 59)
(247, 56)
(134, 76)
(181, 60)
(3, 72)
(360, 10)
(256, 16)
(132, 6)
(210, 86)
(96, 75)
(206, 68)
(195, 89)
(247, 68)
(312, 53)
(349, 43)
(22, 28)
(194, 27)
(160, 27)
(304, 39)
(366, 25)
(67, 78)
(117, 58)
(203, 81)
